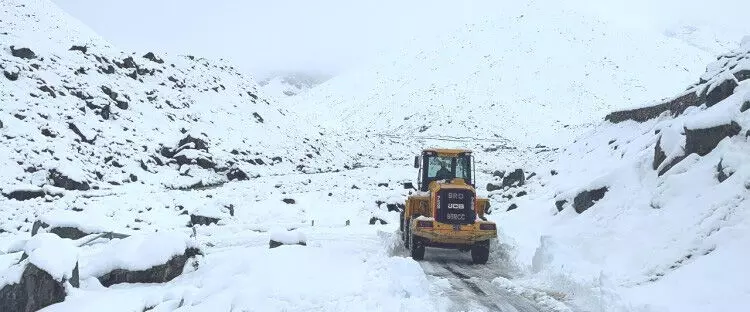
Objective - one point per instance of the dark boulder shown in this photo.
(586, 199)
(515, 178)
(24, 53)
(61, 231)
(37, 289)
(498, 173)
(745, 106)
(157, 274)
(721, 92)
(205, 163)
(659, 155)
(197, 143)
(68, 232)
(151, 57)
(24, 194)
(394, 207)
(493, 187)
(79, 48)
(703, 141)
(721, 173)
(59, 179)
(289, 201)
(512, 207)
(202, 220)
(742, 74)
(560, 204)
(273, 244)
(521, 193)
(375, 220)
(237, 174)
(12, 76)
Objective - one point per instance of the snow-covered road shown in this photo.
(471, 287)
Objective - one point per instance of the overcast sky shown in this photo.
(262, 36)
(331, 35)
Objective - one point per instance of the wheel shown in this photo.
(480, 252)
(416, 247)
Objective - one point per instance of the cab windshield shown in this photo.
(446, 168)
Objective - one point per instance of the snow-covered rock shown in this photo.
(143, 258)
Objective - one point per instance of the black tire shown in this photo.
(480, 252)
(417, 248)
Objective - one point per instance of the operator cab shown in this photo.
(444, 165)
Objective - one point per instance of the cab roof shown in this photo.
(447, 151)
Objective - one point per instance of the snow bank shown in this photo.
(137, 252)
(286, 237)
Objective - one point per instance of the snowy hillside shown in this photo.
(532, 72)
(290, 84)
(651, 204)
(76, 108)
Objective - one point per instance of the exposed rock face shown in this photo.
(493, 187)
(202, 220)
(60, 180)
(395, 207)
(659, 155)
(676, 106)
(24, 53)
(157, 274)
(237, 174)
(61, 231)
(36, 290)
(24, 194)
(515, 178)
(290, 201)
(721, 92)
(560, 204)
(703, 141)
(586, 199)
(375, 220)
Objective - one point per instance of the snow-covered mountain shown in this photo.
(651, 204)
(283, 85)
(532, 72)
(76, 108)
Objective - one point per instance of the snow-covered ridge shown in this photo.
(82, 114)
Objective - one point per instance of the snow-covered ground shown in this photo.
(619, 215)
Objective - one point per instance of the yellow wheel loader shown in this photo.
(445, 211)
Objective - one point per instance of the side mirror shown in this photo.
(416, 161)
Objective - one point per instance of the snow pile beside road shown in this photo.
(650, 205)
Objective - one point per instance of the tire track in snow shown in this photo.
(471, 285)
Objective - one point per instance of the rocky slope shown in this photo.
(77, 113)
